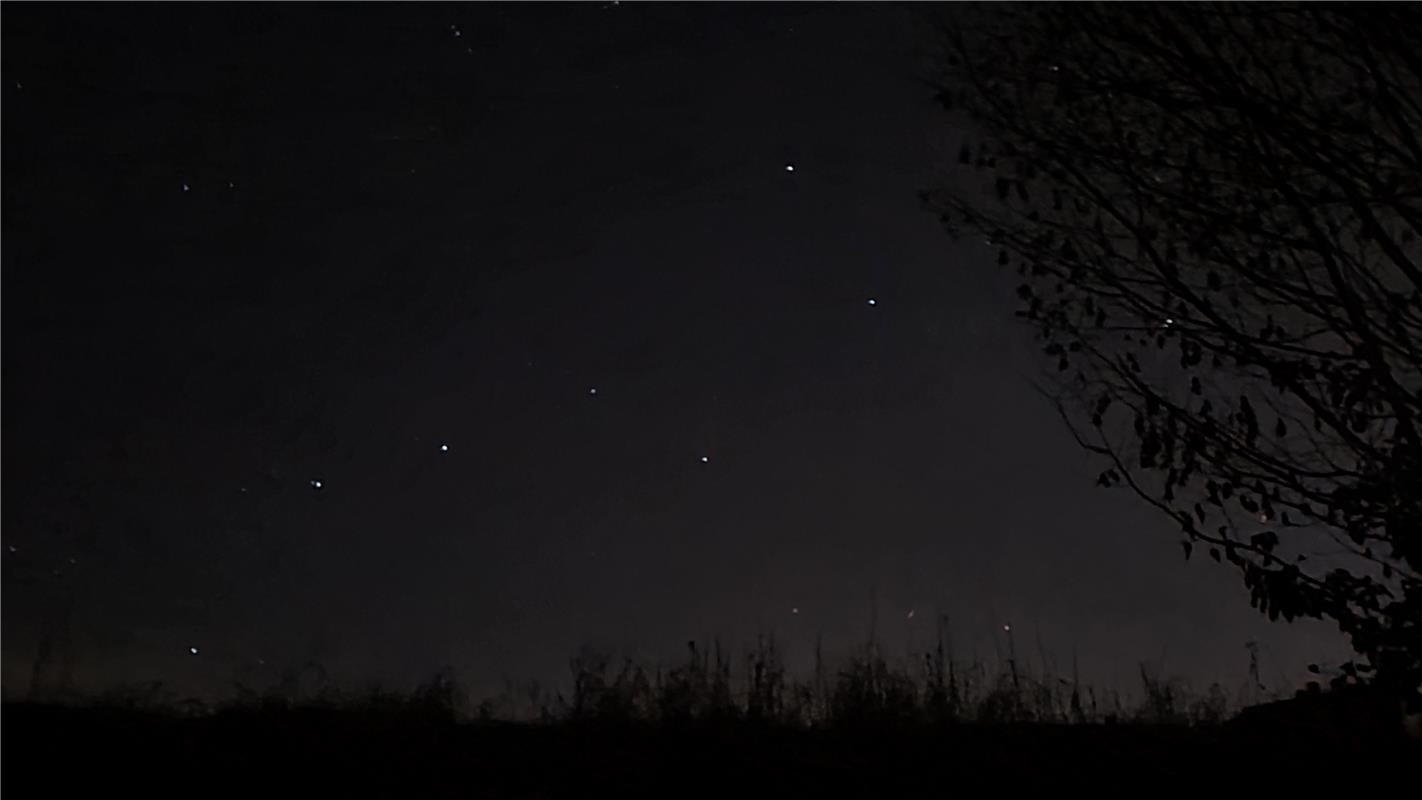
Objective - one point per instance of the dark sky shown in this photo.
(248, 248)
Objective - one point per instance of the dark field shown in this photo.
(65, 752)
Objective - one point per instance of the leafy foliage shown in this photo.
(1215, 212)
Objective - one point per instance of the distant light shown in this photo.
(315, 484)
(910, 614)
(1007, 627)
(185, 187)
(242, 489)
(444, 448)
(794, 610)
(231, 185)
(592, 390)
(1169, 321)
(11, 548)
(789, 167)
(705, 460)
(873, 302)
(193, 650)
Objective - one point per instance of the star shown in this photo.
(789, 167)
(444, 448)
(592, 390)
(873, 302)
(186, 187)
(193, 650)
(315, 484)
(910, 614)
(705, 460)
(795, 610)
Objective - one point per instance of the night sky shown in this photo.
(613, 325)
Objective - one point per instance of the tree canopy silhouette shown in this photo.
(1215, 211)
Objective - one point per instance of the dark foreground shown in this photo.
(58, 752)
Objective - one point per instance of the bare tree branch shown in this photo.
(1216, 212)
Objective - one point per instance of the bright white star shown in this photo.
(444, 448)
(789, 167)
(193, 650)
(873, 302)
(315, 484)
(705, 460)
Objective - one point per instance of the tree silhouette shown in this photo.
(1215, 210)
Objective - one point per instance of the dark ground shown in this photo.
(65, 752)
